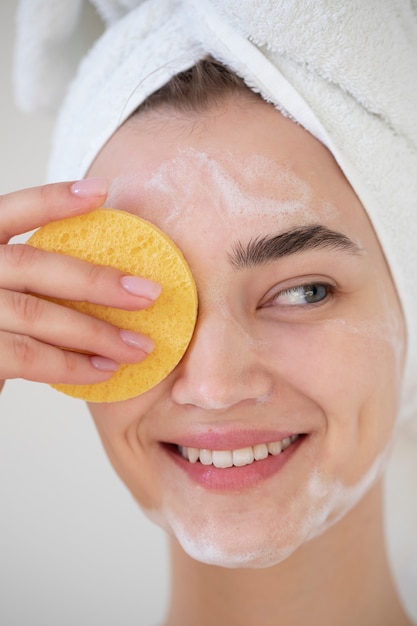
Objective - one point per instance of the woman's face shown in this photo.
(278, 418)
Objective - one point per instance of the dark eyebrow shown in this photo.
(263, 250)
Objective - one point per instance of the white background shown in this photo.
(74, 547)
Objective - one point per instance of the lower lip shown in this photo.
(234, 478)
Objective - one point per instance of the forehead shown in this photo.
(236, 168)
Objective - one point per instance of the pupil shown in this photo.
(314, 293)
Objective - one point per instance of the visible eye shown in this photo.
(302, 295)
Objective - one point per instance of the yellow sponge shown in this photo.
(137, 247)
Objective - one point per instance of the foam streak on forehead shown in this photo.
(232, 187)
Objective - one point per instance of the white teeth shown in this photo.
(239, 458)
(244, 456)
(260, 451)
(222, 458)
(206, 457)
(193, 454)
(285, 443)
(274, 448)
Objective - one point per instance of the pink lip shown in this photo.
(233, 478)
(220, 440)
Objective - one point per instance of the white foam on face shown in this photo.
(388, 328)
(389, 332)
(258, 529)
(232, 196)
(267, 532)
(194, 176)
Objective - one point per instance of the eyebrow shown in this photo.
(262, 250)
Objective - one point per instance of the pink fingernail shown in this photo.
(103, 364)
(141, 287)
(89, 187)
(137, 341)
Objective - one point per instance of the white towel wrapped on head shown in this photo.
(346, 71)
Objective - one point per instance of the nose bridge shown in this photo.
(220, 368)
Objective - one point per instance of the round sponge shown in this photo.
(135, 246)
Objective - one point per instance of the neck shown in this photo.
(341, 577)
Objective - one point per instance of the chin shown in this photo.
(253, 539)
(264, 535)
(250, 555)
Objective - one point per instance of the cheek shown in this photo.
(330, 357)
(118, 425)
(351, 376)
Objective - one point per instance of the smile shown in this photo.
(236, 458)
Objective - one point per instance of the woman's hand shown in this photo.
(34, 333)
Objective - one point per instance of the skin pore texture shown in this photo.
(293, 339)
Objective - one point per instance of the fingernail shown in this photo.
(89, 187)
(137, 341)
(103, 364)
(141, 287)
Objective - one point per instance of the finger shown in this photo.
(60, 326)
(28, 269)
(25, 357)
(22, 211)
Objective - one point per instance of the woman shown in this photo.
(262, 454)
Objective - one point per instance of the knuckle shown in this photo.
(71, 362)
(19, 255)
(24, 351)
(47, 194)
(71, 367)
(95, 274)
(27, 308)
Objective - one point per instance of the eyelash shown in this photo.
(318, 292)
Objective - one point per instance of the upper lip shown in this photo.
(212, 439)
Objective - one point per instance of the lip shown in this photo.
(232, 478)
(221, 440)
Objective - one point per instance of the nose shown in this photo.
(221, 367)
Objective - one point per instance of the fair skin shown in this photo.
(303, 342)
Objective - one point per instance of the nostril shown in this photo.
(220, 393)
